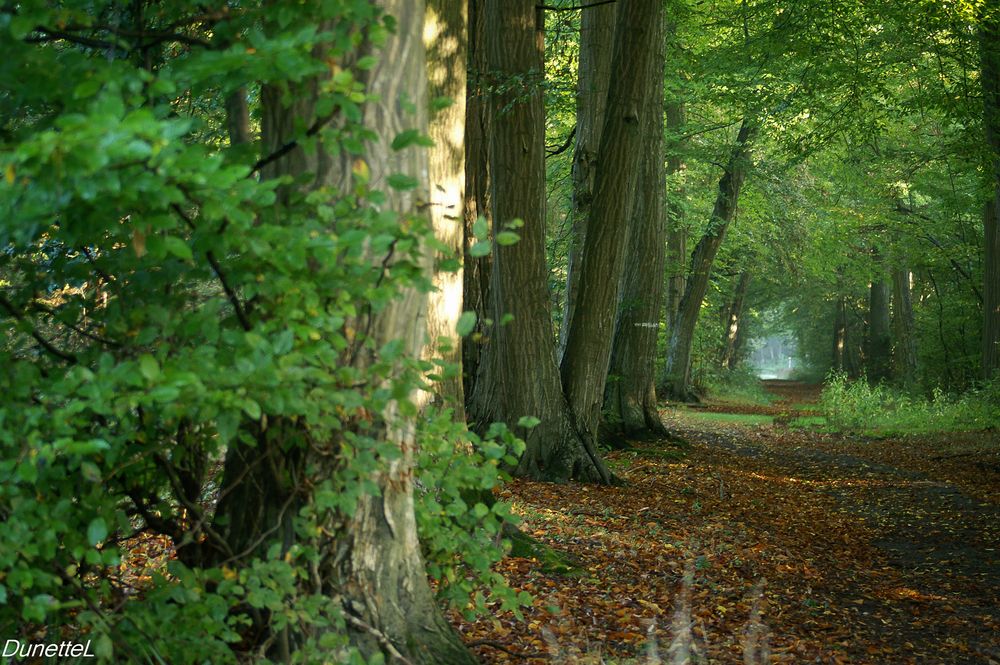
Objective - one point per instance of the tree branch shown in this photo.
(44, 343)
(550, 8)
(564, 147)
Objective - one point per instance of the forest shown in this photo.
(444, 332)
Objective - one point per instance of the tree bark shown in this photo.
(878, 356)
(732, 327)
(676, 232)
(378, 574)
(477, 269)
(597, 32)
(444, 40)
(677, 371)
(584, 366)
(630, 396)
(989, 41)
(517, 374)
(905, 350)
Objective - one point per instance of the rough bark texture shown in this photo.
(630, 396)
(990, 76)
(878, 354)
(444, 39)
(732, 326)
(676, 232)
(904, 355)
(585, 362)
(597, 32)
(677, 371)
(378, 572)
(517, 373)
(476, 273)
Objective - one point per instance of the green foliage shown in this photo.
(857, 406)
(165, 302)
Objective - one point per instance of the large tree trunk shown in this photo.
(597, 32)
(444, 40)
(377, 573)
(878, 354)
(905, 351)
(732, 327)
(677, 371)
(630, 396)
(676, 260)
(989, 41)
(517, 374)
(477, 269)
(584, 366)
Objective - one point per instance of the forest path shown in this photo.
(867, 551)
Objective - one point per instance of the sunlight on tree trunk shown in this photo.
(445, 39)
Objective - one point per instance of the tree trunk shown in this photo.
(444, 40)
(517, 374)
(839, 362)
(878, 356)
(378, 574)
(584, 366)
(677, 371)
(905, 351)
(676, 231)
(477, 269)
(630, 397)
(732, 326)
(597, 32)
(989, 41)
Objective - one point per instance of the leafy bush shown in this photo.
(857, 406)
(740, 385)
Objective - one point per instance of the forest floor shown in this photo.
(753, 542)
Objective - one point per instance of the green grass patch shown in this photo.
(809, 422)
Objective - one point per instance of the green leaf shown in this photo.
(148, 367)
(480, 249)
(97, 531)
(410, 137)
(178, 248)
(480, 228)
(528, 422)
(466, 323)
(402, 182)
(507, 238)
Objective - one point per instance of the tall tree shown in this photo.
(476, 269)
(445, 41)
(878, 348)
(630, 406)
(597, 32)
(989, 45)
(676, 259)
(517, 374)
(904, 356)
(379, 572)
(584, 366)
(732, 329)
(677, 369)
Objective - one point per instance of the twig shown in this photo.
(565, 146)
(502, 647)
(378, 635)
(45, 344)
(550, 8)
(291, 145)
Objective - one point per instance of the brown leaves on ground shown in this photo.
(800, 548)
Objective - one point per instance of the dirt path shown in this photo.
(852, 552)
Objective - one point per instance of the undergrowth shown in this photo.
(857, 406)
(737, 386)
